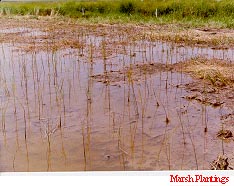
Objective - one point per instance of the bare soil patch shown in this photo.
(135, 72)
(213, 80)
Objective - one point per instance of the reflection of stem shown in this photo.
(84, 149)
(167, 116)
(134, 100)
(26, 146)
(26, 89)
(222, 141)
(193, 145)
(163, 142)
(107, 98)
(204, 122)
(142, 138)
(143, 108)
(16, 131)
(48, 148)
(34, 70)
(122, 152)
(5, 138)
(111, 115)
(62, 145)
(4, 109)
(69, 92)
(168, 148)
(25, 125)
(17, 140)
(13, 164)
(89, 110)
(222, 147)
(14, 90)
(204, 118)
(133, 130)
(64, 111)
(182, 128)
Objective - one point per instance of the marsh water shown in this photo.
(55, 116)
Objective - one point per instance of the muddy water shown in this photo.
(55, 116)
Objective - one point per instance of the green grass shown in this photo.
(192, 12)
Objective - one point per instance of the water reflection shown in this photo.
(56, 117)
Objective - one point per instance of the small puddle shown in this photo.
(23, 31)
(55, 116)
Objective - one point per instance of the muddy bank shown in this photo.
(136, 72)
(213, 80)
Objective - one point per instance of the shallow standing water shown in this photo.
(55, 116)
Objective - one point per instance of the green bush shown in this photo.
(127, 7)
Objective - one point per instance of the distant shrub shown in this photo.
(127, 7)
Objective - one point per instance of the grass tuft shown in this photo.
(217, 72)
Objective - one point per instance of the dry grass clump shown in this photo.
(217, 72)
(215, 38)
(220, 164)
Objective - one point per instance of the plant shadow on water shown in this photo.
(60, 111)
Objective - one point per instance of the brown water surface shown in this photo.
(56, 116)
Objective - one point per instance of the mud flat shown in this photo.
(77, 97)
